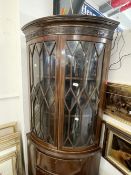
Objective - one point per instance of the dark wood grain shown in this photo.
(48, 164)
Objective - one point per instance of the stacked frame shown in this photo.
(117, 148)
(10, 150)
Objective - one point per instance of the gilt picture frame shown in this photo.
(118, 102)
(117, 148)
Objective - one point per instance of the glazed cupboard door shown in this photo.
(43, 87)
(81, 76)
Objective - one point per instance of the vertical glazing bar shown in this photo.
(61, 84)
(57, 91)
(30, 84)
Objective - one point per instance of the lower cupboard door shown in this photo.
(41, 172)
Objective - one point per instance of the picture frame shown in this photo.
(68, 7)
(118, 102)
(117, 148)
(7, 129)
(8, 161)
(11, 155)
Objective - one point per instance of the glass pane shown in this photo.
(76, 86)
(52, 64)
(49, 97)
(83, 70)
(31, 71)
(36, 65)
(37, 116)
(43, 91)
(49, 46)
(69, 100)
(46, 63)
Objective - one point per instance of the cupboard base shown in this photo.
(43, 162)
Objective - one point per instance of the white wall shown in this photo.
(33, 9)
(9, 61)
(107, 169)
(122, 75)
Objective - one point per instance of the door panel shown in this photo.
(65, 83)
(82, 74)
(44, 102)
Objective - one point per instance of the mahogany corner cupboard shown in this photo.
(68, 60)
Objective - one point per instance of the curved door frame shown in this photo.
(62, 42)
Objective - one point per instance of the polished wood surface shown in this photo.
(68, 66)
(45, 163)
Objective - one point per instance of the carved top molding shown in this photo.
(74, 24)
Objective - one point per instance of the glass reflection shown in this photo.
(82, 81)
(36, 67)
(43, 89)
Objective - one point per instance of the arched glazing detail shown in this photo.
(42, 81)
(83, 71)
